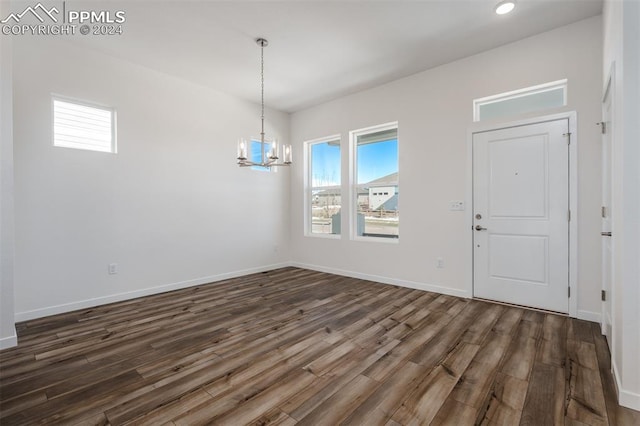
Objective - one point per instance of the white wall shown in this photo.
(434, 111)
(7, 326)
(622, 50)
(171, 208)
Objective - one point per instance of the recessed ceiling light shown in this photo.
(505, 7)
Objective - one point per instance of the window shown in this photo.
(375, 182)
(83, 126)
(323, 199)
(544, 96)
(255, 154)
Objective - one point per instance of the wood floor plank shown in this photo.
(341, 404)
(253, 407)
(173, 409)
(553, 350)
(585, 401)
(476, 333)
(378, 408)
(399, 355)
(336, 379)
(506, 402)
(448, 337)
(519, 361)
(273, 418)
(475, 385)
(544, 404)
(293, 346)
(425, 400)
(456, 413)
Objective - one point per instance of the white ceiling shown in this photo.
(319, 50)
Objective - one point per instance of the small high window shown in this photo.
(83, 126)
(530, 99)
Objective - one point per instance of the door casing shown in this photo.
(606, 322)
(571, 116)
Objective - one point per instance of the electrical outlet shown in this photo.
(439, 262)
(113, 268)
(456, 205)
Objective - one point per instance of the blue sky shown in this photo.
(375, 160)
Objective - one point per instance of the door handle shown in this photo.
(605, 234)
(480, 228)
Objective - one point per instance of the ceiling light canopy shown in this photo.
(269, 150)
(505, 7)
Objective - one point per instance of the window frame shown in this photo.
(520, 93)
(353, 181)
(309, 188)
(113, 146)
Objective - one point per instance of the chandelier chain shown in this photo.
(262, 89)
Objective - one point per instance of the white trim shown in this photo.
(9, 341)
(572, 117)
(608, 90)
(610, 80)
(83, 304)
(625, 398)
(353, 179)
(434, 288)
(519, 93)
(589, 316)
(308, 186)
(389, 240)
(325, 236)
(98, 301)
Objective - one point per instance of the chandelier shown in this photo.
(269, 150)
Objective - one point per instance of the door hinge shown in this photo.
(568, 215)
(603, 126)
(603, 295)
(568, 291)
(568, 136)
(603, 211)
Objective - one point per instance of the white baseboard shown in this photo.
(590, 316)
(385, 280)
(103, 300)
(625, 398)
(9, 341)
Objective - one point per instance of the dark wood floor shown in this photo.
(296, 346)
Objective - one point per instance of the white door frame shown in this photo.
(571, 116)
(609, 91)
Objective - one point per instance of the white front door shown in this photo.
(607, 253)
(521, 214)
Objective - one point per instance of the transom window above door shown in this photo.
(521, 101)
